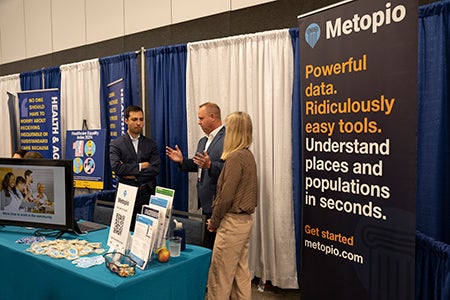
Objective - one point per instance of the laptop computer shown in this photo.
(88, 226)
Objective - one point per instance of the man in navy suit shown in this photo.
(135, 159)
(206, 161)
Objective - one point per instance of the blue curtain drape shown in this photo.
(123, 66)
(432, 268)
(433, 188)
(166, 73)
(296, 147)
(31, 80)
(433, 162)
(52, 77)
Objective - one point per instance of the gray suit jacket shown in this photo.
(125, 161)
(206, 187)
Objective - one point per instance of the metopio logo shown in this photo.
(312, 34)
(366, 22)
(123, 201)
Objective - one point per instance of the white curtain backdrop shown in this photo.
(10, 83)
(254, 73)
(80, 95)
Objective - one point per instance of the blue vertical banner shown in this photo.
(116, 114)
(40, 122)
(358, 83)
(86, 149)
(116, 108)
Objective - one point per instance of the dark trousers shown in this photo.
(143, 197)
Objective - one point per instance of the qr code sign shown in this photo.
(118, 224)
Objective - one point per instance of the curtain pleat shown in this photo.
(166, 79)
(31, 80)
(52, 77)
(433, 160)
(433, 188)
(297, 170)
(80, 95)
(432, 268)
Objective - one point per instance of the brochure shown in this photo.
(159, 213)
(143, 240)
(168, 194)
(162, 206)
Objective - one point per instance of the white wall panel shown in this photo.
(238, 4)
(142, 15)
(68, 23)
(104, 20)
(183, 10)
(38, 27)
(12, 31)
(31, 28)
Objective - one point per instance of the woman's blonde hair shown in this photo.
(238, 134)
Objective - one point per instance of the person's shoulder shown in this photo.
(118, 139)
(238, 154)
(243, 155)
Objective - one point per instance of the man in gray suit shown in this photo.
(206, 161)
(135, 159)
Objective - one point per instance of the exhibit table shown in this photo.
(28, 276)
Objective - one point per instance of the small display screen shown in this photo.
(36, 193)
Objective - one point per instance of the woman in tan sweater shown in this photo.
(235, 202)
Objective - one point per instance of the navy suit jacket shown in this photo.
(206, 187)
(125, 161)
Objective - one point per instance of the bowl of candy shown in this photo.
(119, 263)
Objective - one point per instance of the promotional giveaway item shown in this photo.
(68, 249)
(119, 263)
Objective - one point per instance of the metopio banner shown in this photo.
(86, 149)
(358, 68)
(40, 122)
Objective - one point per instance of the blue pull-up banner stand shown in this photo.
(40, 122)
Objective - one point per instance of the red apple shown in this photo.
(163, 255)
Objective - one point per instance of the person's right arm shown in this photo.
(185, 164)
(117, 165)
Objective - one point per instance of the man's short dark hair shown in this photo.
(132, 108)
(20, 152)
(27, 173)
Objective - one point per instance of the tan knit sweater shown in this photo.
(237, 187)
